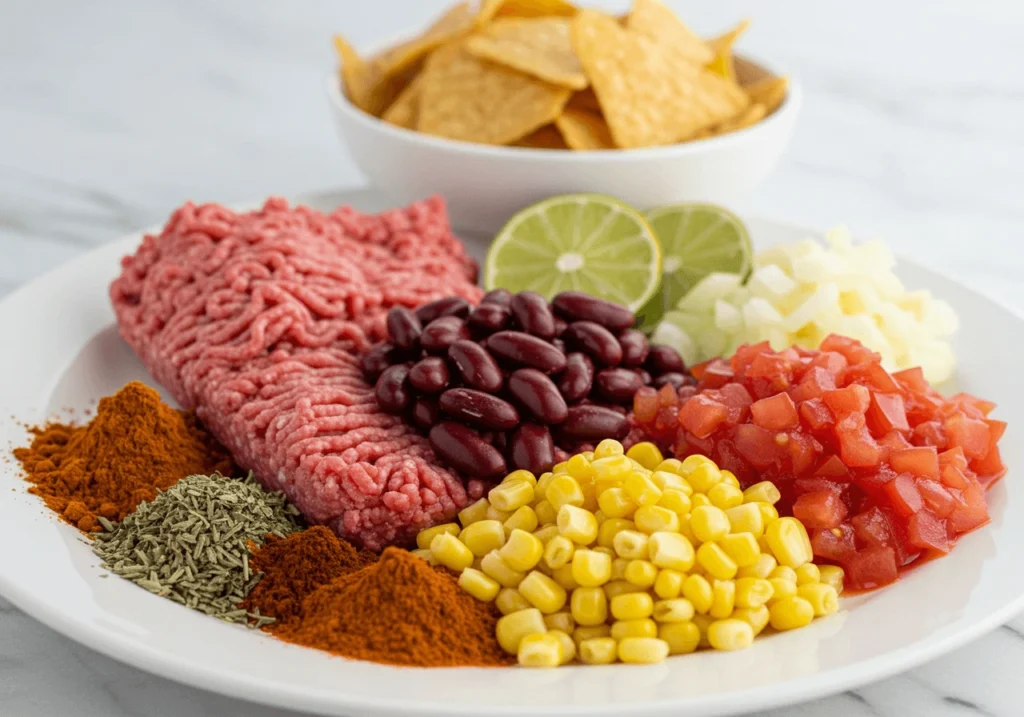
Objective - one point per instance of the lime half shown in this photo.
(577, 242)
(697, 240)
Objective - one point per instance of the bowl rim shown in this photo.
(786, 112)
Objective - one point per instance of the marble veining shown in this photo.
(113, 113)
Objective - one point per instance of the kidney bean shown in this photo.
(517, 347)
(499, 439)
(531, 448)
(577, 306)
(464, 450)
(538, 394)
(644, 375)
(479, 408)
(425, 413)
(375, 361)
(488, 318)
(677, 380)
(634, 347)
(533, 314)
(478, 368)
(392, 390)
(593, 423)
(664, 359)
(441, 333)
(449, 306)
(560, 325)
(404, 327)
(501, 297)
(618, 384)
(595, 340)
(429, 375)
(574, 384)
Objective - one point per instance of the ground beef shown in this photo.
(256, 321)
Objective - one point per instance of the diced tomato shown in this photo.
(645, 404)
(904, 496)
(777, 413)
(887, 413)
(747, 353)
(922, 462)
(702, 415)
(936, 497)
(756, 445)
(815, 382)
(717, 373)
(819, 509)
(894, 441)
(831, 361)
(982, 406)
(912, 378)
(667, 396)
(990, 468)
(927, 531)
(844, 401)
(812, 485)
(871, 568)
(966, 518)
(836, 544)
(856, 446)
(738, 400)
(803, 451)
(816, 415)
(854, 351)
(833, 467)
(953, 457)
(872, 528)
(930, 433)
(971, 434)
(996, 429)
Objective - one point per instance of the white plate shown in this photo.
(67, 354)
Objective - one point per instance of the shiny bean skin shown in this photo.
(676, 379)
(575, 382)
(404, 327)
(479, 408)
(577, 306)
(425, 413)
(594, 423)
(520, 348)
(476, 366)
(531, 448)
(441, 333)
(533, 314)
(463, 449)
(488, 318)
(664, 359)
(645, 376)
(501, 297)
(634, 347)
(618, 384)
(375, 361)
(449, 306)
(537, 393)
(560, 325)
(392, 389)
(594, 340)
(430, 375)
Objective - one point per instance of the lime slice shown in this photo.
(697, 240)
(577, 242)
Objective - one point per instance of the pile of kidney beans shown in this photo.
(499, 385)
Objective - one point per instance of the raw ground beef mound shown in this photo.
(256, 321)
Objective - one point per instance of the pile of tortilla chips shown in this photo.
(545, 74)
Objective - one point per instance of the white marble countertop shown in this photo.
(112, 113)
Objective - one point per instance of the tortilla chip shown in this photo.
(769, 91)
(537, 46)
(649, 95)
(465, 98)
(459, 20)
(535, 8)
(722, 47)
(584, 130)
(404, 110)
(750, 116)
(547, 137)
(364, 85)
(585, 101)
(651, 18)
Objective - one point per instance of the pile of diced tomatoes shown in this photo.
(880, 467)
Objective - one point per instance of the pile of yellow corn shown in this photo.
(632, 557)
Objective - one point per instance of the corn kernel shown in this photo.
(560, 621)
(540, 650)
(512, 495)
(512, 628)
(674, 610)
(619, 568)
(563, 576)
(558, 552)
(784, 572)
(478, 585)
(631, 544)
(675, 500)
(682, 637)
(692, 463)
(704, 477)
(546, 534)
(483, 536)
(475, 512)
(746, 518)
(642, 489)
(668, 584)
(591, 632)
(646, 454)
(509, 601)
(703, 622)
(568, 645)
(580, 468)
(576, 524)
(564, 490)
(598, 651)
(823, 598)
(559, 468)
(725, 495)
(763, 492)
(425, 537)
(756, 617)
(611, 469)
(591, 568)
(641, 573)
(698, 591)
(499, 515)
(542, 485)
(671, 550)
(521, 475)
(604, 551)
(686, 530)
(808, 574)
(620, 587)
(699, 500)
(761, 568)
(610, 528)
(522, 551)
(653, 519)
(670, 465)
(632, 606)
(753, 592)
(524, 518)
(590, 498)
(709, 523)
(730, 478)
(730, 634)
(451, 552)
(713, 559)
(427, 555)
(589, 606)
(644, 627)
(616, 503)
(791, 613)
(723, 600)
(495, 566)
(832, 575)
(545, 512)
(782, 588)
(741, 547)
(642, 650)
(789, 542)
(666, 480)
(768, 512)
(608, 447)
(543, 592)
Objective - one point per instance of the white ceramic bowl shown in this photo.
(485, 185)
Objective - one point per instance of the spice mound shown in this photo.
(134, 447)
(191, 544)
(399, 611)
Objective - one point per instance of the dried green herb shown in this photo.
(191, 543)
